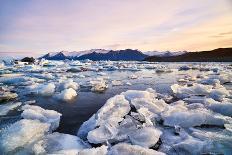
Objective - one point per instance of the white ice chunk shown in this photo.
(195, 117)
(154, 105)
(98, 85)
(22, 133)
(102, 134)
(37, 113)
(67, 94)
(219, 94)
(5, 108)
(59, 143)
(94, 151)
(196, 89)
(132, 94)
(145, 137)
(117, 83)
(222, 108)
(44, 89)
(70, 84)
(115, 107)
(127, 149)
(87, 126)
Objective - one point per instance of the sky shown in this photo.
(36, 27)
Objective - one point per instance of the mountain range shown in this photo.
(114, 55)
(216, 55)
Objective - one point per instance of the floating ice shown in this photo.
(132, 94)
(5, 96)
(116, 83)
(102, 134)
(70, 84)
(94, 151)
(98, 85)
(192, 118)
(37, 113)
(21, 134)
(67, 94)
(5, 108)
(219, 94)
(59, 143)
(223, 108)
(87, 126)
(154, 105)
(42, 89)
(145, 137)
(196, 89)
(127, 149)
(107, 118)
(13, 79)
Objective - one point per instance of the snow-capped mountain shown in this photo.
(164, 54)
(102, 54)
(97, 54)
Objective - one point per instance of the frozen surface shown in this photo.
(106, 107)
(127, 149)
(22, 134)
(37, 113)
(56, 143)
(5, 108)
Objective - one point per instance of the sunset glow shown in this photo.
(37, 27)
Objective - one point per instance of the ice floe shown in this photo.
(5, 108)
(67, 94)
(37, 113)
(59, 143)
(21, 134)
(127, 149)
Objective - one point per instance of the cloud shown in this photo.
(42, 26)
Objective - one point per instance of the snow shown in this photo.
(37, 113)
(67, 94)
(22, 133)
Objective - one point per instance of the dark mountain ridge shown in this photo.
(216, 55)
